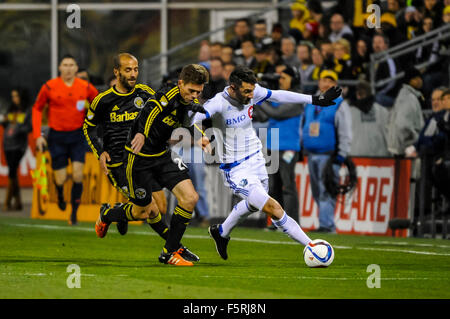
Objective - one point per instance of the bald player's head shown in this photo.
(126, 70)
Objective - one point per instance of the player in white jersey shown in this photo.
(243, 164)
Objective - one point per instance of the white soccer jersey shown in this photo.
(232, 121)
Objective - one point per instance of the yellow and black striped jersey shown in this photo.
(162, 114)
(115, 112)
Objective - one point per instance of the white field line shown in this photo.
(404, 243)
(238, 239)
(151, 233)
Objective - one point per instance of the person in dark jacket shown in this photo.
(17, 125)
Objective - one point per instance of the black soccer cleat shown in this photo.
(122, 226)
(221, 243)
(187, 254)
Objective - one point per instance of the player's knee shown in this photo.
(139, 212)
(273, 209)
(189, 200)
(78, 177)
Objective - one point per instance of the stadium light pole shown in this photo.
(164, 37)
(54, 40)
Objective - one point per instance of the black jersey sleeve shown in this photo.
(93, 117)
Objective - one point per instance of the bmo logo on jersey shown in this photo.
(235, 120)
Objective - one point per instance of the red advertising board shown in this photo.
(376, 199)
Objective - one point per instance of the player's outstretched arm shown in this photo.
(325, 99)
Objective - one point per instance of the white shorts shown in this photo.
(243, 177)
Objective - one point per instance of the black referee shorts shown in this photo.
(142, 173)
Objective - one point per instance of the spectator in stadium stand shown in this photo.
(227, 69)
(433, 9)
(17, 124)
(406, 118)
(66, 98)
(216, 82)
(204, 54)
(409, 21)
(285, 118)
(215, 50)
(388, 27)
(436, 104)
(311, 31)
(304, 55)
(83, 74)
(354, 13)
(300, 16)
(289, 56)
(248, 53)
(342, 59)
(326, 131)
(317, 60)
(361, 59)
(339, 29)
(227, 54)
(315, 10)
(446, 14)
(260, 34)
(326, 49)
(386, 94)
(241, 29)
(431, 139)
(368, 123)
(276, 35)
(432, 74)
(263, 64)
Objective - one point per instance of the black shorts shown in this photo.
(65, 145)
(117, 177)
(142, 171)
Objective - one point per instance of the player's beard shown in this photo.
(242, 99)
(124, 81)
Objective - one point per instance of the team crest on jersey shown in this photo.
(139, 102)
(243, 182)
(250, 112)
(164, 101)
(140, 193)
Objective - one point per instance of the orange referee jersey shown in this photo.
(66, 105)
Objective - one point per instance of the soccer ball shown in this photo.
(318, 253)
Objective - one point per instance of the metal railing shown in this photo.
(406, 48)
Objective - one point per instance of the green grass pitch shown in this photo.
(35, 255)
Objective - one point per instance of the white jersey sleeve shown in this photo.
(211, 106)
(260, 94)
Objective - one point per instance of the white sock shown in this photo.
(239, 213)
(292, 229)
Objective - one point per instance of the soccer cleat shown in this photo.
(62, 205)
(221, 243)
(101, 228)
(187, 254)
(122, 226)
(174, 259)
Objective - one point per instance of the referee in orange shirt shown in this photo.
(66, 98)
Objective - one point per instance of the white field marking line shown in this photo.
(302, 277)
(51, 274)
(403, 243)
(405, 251)
(261, 241)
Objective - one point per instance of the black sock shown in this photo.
(159, 226)
(180, 219)
(119, 213)
(60, 191)
(77, 190)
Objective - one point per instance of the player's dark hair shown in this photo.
(194, 73)
(67, 56)
(242, 74)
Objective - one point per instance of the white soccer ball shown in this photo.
(318, 253)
